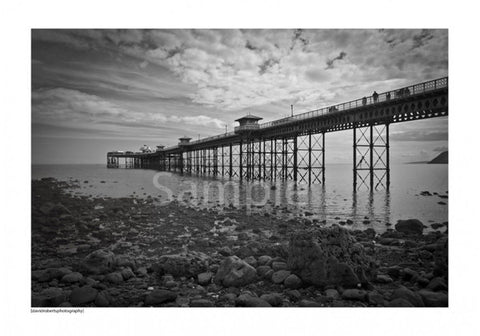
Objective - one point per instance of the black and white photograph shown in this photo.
(240, 168)
(177, 176)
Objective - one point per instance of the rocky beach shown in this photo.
(133, 252)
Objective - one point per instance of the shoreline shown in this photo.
(129, 252)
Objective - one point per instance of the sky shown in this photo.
(95, 91)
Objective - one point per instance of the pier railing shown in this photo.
(365, 101)
(404, 92)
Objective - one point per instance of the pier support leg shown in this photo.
(371, 157)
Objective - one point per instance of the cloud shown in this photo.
(223, 65)
(66, 107)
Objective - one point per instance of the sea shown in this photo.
(417, 191)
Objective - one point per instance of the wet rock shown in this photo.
(39, 301)
(412, 226)
(383, 278)
(407, 294)
(354, 294)
(201, 303)
(83, 295)
(187, 264)
(50, 274)
(329, 256)
(204, 278)
(99, 262)
(115, 277)
(264, 272)
(309, 303)
(160, 296)
(279, 265)
(142, 272)
(433, 299)
(279, 277)
(127, 273)
(399, 302)
(72, 277)
(294, 294)
(102, 299)
(225, 251)
(234, 272)
(125, 261)
(409, 274)
(293, 282)
(246, 300)
(332, 294)
(437, 284)
(251, 261)
(54, 296)
(375, 298)
(274, 299)
(264, 260)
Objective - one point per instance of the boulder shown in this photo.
(274, 299)
(187, 264)
(407, 294)
(437, 284)
(98, 262)
(234, 272)
(246, 300)
(54, 296)
(115, 277)
(329, 256)
(160, 296)
(72, 277)
(409, 226)
(434, 299)
(83, 295)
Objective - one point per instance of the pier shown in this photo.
(293, 148)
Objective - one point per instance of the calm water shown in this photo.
(332, 202)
